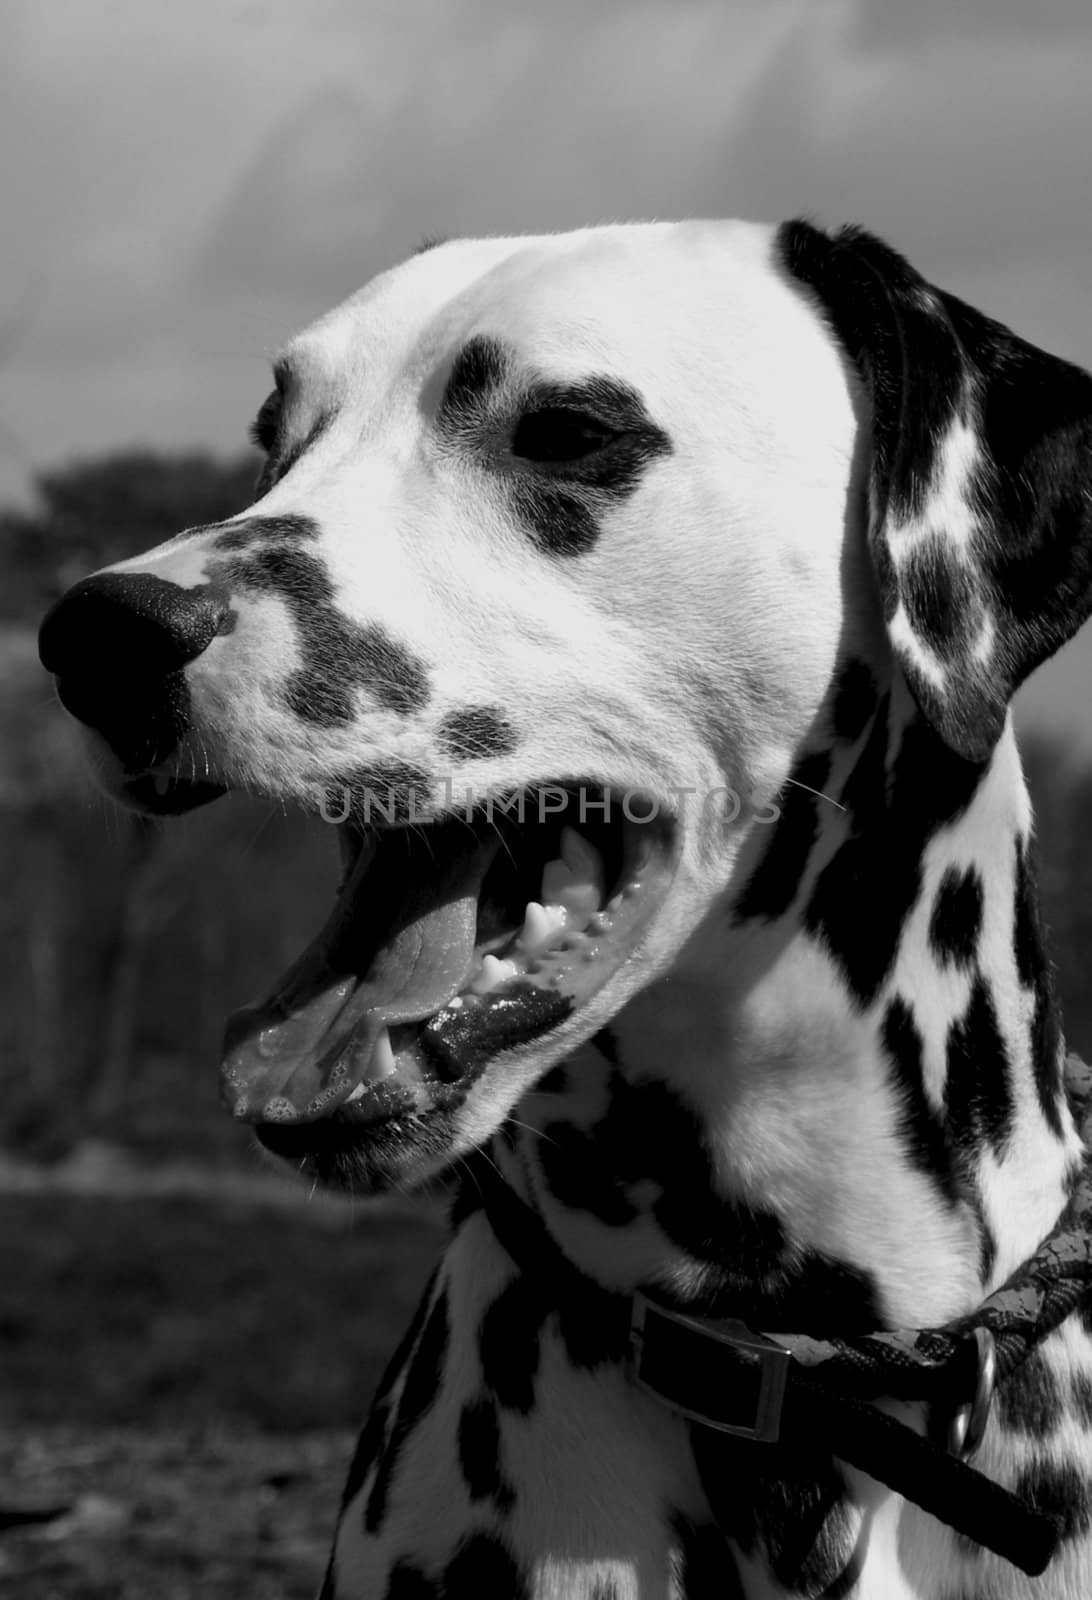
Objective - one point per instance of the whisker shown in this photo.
(817, 792)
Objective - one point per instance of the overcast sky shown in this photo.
(183, 185)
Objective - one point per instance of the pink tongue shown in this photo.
(399, 944)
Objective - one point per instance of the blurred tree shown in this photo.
(90, 513)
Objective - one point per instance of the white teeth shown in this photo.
(582, 859)
(578, 900)
(576, 881)
(356, 1094)
(382, 1063)
(493, 974)
(556, 878)
(542, 927)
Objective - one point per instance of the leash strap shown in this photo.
(909, 1465)
(794, 1389)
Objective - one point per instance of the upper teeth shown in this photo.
(576, 882)
(582, 858)
(572, 892)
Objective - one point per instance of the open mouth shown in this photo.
(448, 944)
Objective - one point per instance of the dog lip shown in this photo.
(396, 947)
(440, 1058)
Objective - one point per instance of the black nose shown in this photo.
(117, 644)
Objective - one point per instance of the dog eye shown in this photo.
(264, 428)
(559, 433)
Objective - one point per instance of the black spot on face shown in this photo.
(479, 372)
(480, 1454)
(978, 1093)
(921, 1128)
(560, 522)
(1060, 1490)
(287, 530)
(476, 732)
(338, 656)
(419, 1392)
(558, 492)
(957, 917)
(1030, 1401)
(483, 1566)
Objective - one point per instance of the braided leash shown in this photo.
(791, 1392)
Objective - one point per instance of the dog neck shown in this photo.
(842, 1107)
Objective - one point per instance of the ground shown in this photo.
(180, 1380)
(168, 1513)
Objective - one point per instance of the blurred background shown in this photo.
(185, 1341)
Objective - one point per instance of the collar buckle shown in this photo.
(709, 1371)
(968, 1425)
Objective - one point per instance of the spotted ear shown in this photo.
(980, 483)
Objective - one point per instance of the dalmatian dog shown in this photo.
(644, 605)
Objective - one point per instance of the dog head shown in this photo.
(559, 549)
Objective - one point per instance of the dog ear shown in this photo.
(980, 484)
